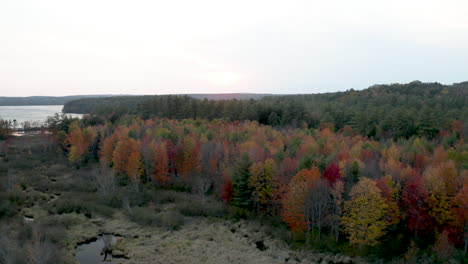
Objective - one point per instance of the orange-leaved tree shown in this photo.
(293, 200)
(161, 163)
(79, 140)
(121, 155)
(107, 148)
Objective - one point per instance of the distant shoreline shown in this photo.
(31, 117)
(43, 100)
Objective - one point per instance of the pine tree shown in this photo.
(242, 192)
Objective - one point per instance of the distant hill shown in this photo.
(43, 100)
(228, 96)
(61, 100)
(127, 103)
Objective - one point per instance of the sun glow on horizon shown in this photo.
(55, 47)
(222, 78)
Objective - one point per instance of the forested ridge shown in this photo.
(381, 111)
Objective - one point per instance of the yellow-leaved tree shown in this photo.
(134, 168)
(261, 181)
(364, 220)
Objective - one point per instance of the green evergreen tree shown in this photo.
(240, 181)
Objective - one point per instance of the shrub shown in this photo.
(165, 196)
(16, 198)
(170, 219)
(60, 220)
(281, 232)
(56, 234)
(25, 232)
(113, 200)
(143, 216)
(209, 208)
(443, 249)
(190, 209)
(56, 170)
(6, 209)
(65, 205)
(141, 198)
(147, 217)
(122, 179)
(25, 163)
(99, 209)
(238, 212)
(54, 227)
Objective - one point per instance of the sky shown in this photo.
(62, 47)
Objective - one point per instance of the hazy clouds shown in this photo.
(152, 47)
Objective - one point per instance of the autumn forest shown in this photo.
(372, 181)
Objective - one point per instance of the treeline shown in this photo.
(127, 104)
(228, 96)
(341, 191)
(42, 100)
(383, 111)
(117, 105)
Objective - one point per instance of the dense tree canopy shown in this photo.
(381, 111)
(368, 176)
(336, 183)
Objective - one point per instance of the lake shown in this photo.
(35, 114)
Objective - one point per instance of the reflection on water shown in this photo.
(93, 252)
(28, 133)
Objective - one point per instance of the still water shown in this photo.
(91, 252)
(35, 114)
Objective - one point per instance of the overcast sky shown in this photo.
(61, 47)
